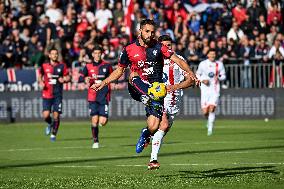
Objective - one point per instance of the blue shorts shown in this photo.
(155, 108)
(54, 103)
(96, 108)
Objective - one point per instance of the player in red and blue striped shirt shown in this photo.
(51, 78)
(145, 57)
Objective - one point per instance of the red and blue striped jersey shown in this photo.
(148, 62)
(51, 73)
(98, 72)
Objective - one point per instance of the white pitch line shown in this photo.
(75, 166)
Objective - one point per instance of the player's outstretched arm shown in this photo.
(187, 82)
(116, 74)
(183, 65)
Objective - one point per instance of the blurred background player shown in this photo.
(51, 78)
(175, 79)
(145, 57)
(95, 72)
(210, 72)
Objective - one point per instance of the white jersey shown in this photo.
(172, 74)
(214, 72)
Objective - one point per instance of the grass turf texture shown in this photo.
(239, 154)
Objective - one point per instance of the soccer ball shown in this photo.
(157, 91)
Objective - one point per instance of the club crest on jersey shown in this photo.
(104, 70)
(155, 52)
(58, 70)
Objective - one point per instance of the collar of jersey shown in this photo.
(97, 63)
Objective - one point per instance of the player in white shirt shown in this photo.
(176, 80)
(210, 72)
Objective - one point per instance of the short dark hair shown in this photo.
(211, 49)
(165, 38)
(147, 21)
(97, 48)
(53, 49)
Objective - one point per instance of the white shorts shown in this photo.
(209, 99)
(171, 110)
(170, 107)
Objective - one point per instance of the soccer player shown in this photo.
(175, 79)
(51, 78)
(145, 57)
(95, 72)
(210, 72)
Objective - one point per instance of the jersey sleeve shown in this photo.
(41, 70)
(123, 59)
(167, 53)
(110, 69)
(83, 74)
(199, 71)
(222, 72)
(65, 70)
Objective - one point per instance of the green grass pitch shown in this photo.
(239, 154)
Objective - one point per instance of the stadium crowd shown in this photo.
(243, 31)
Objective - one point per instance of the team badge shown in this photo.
(104, 70)
(155, 52)
(58, 70)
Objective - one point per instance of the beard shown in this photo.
(147, 41)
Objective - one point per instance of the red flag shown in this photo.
(128, 17)
(11, 75)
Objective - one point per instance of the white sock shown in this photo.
(211, 119)
(156, 144)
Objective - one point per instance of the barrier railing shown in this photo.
(256, 75)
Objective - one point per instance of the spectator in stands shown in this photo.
(254, 12)
(102, 15)
(235, 33)
(276, 54)
(261, 51)
(246, 53)
(239, 13)
(271, 36)
(261, 24)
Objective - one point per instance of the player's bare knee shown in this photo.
(103, 123)
(211, 108)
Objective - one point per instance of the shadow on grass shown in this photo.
(133, 157)
(227, 172)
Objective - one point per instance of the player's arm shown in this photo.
(123, 62)
(116, 74)
(182, 64)
(187, 82)
(66, 77)
(200, 75)
(222, 73)
(40, 77)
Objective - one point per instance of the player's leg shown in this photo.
(211, 119)
(103, 114)
(156, 143)
(205, 105)
(139, 86)
(94, 113)
(46, 104)
(57, 110)
(95, 131)
(154, 116)
(55, 125)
